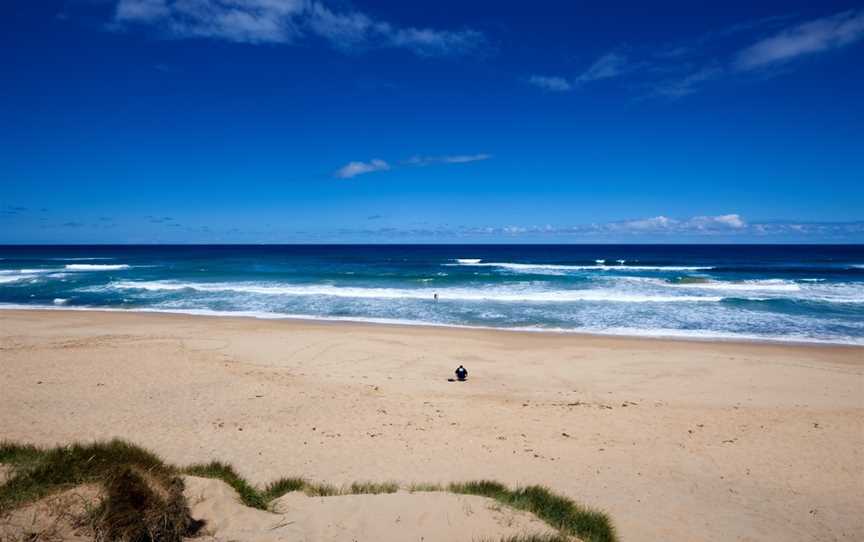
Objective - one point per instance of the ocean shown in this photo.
(795, 293)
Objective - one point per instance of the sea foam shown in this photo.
(446, 294)
(658, 332)
(95, 267)
(531, 267)
(5, 279)
(26, 271)
(768, 285)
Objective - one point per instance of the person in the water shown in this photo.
(461, 374)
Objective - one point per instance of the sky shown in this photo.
(321, 121)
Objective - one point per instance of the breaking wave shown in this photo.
(532, 267)
(448, 294)
(768, 285)
(95, 267)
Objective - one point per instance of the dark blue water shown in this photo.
(778, 292)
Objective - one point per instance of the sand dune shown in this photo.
(295, 517)
(394, 517)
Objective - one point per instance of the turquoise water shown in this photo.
(787, 293)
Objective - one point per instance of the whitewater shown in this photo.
(777, 293)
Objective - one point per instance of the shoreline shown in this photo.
(265, 317)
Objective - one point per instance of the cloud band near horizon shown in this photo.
(696, 228)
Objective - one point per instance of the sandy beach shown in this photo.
(676, 440)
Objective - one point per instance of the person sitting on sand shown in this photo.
(461, 374)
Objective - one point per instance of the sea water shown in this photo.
(811, 293)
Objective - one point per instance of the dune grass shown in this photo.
(137, 509)
(38, 472)
(560, 512)
(216, 469)
(533, 538)
(315, 489)
(116, 464)
(373, 488)
(19, 454)
(282, 486)
(425, 487)
(143, 497)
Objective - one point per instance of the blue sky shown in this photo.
(331, 121)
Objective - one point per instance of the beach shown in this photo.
(676, 440)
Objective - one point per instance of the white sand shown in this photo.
(675, 440)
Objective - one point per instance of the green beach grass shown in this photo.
(123, 468)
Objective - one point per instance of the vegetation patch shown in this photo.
(373, 488)
(143, 496)
(425, 487)
(135, 509)
(216, 469)
(533, 538)
(560, 512)
(283, 486)
(39, 472)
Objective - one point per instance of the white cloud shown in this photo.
(513, 230)
(344, 30)
(679, 69)
(687, 84)
(284, 21)
(141, 10)
(606, 67)
(553, 83)
(449, 159)
(463, 158)
(241, 21)
(428, 42)
(352, 169)
(663, 224)
(731, 221)
(353, 30)
(644, 224)
(814, 36)
(721, 227)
